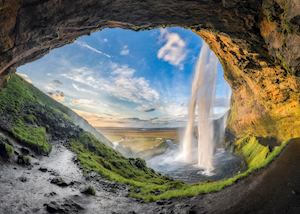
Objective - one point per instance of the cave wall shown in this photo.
(257, 41)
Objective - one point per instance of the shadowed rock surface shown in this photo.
(257, 41)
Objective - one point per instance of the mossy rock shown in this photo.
(89, 190)
(33, 137)
(6, 150)
(24, 160)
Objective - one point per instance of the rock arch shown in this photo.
(258, 43)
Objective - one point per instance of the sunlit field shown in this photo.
(139, 140)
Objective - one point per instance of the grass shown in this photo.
(150, 186)
(33, 137)
(15, 99)
(93, 155)
(90, 190)
(140, 140)
(252, 151)
(9, 150)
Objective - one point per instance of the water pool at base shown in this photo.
(226, 165)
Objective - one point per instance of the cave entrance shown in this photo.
(135, 88)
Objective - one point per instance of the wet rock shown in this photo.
(24, 160)
(53, 172)
(25, 151)
(6, 149)
(23, 179)
(50, 194)
(59, 182)
(43, 169)
(155, 192)
(66, 206)
(36, 163)
(162, 202)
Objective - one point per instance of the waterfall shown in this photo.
(203, 93)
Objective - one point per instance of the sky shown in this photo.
(123, 78)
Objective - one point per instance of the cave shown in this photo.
(257, 43)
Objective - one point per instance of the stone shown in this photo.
(89, 190)
(51, 194)
(59, 182)
(257, 43)
(25, 151)
(43, 169)
(23, 179)
(24, 160)
(64, 206)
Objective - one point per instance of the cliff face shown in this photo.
(256, 41)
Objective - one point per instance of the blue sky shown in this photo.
(122, 78)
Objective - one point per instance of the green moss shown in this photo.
(18, 101)
(6, 150)
(150, 186)
(90, 190)
(24, 160)
(9, 150)
(252, 151)
(95, 156)
(33, 137)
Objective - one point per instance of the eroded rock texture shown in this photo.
(258, 43)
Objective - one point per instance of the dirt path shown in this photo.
(29, 190)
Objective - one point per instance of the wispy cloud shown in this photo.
(81, 89)
(121, 83)
(87, 46)
(57, 95)
(125, 51)
(174, 49)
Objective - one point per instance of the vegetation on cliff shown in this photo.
(36, 121)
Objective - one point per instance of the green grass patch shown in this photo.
(150, 186)
(9, 150)
(252, 151)
(95, 156)
(21, 121)
(27, 126)
(33, 137)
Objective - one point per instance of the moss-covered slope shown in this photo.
(37, 121)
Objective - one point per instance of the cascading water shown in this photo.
(203, 93)
(208, 112)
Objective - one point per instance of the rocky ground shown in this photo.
(55, 184)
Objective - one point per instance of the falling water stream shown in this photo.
(200, 156)
(203, 93)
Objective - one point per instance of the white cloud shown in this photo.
(81, 89)
(125, 51)
(53, 85)
(174, 49)
(174, 110)
(120, 83)
(57, 95)
(82, 102)
(85, 45)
